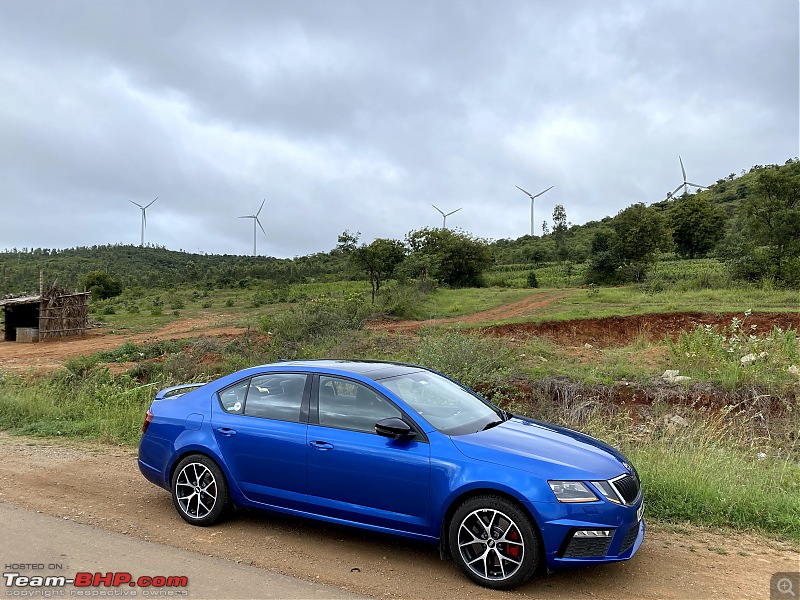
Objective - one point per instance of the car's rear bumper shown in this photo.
(152, 474)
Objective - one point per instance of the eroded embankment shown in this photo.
(622, 331)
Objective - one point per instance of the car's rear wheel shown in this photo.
(493, 542)
(199, 490)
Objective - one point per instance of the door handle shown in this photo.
(226, 431)
(321, 445)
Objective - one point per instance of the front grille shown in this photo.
(628, 488)
(629, 538)
(587, 548)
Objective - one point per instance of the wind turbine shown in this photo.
(255, 220)
(444, 216)
(144, 216)
(532, 197)
(685, 185)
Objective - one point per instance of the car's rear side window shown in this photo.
(232, 398)
(277, 396)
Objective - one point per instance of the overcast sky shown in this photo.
(361, 114)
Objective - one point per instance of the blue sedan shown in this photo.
(399, 449)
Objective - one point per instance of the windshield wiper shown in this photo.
(491, 424)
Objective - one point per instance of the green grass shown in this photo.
(632, 300)
(457, 302)
(548, 275)
(689, 479)
(106, 408)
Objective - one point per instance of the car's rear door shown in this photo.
(357, 475)
(260, 426)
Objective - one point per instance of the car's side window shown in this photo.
(233, 397)
(277, 396)
(346, 404)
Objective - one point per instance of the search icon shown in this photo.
(785, 586)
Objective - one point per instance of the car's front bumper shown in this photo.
(624, 525)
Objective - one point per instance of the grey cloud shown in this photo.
(355, 114)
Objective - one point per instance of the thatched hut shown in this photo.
(52, 314)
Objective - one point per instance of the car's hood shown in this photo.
(545, 450)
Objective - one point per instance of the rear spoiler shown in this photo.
(177, 390)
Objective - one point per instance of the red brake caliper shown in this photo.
(513, 549)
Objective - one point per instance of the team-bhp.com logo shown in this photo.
(89, 582)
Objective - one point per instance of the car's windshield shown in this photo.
(444, 404)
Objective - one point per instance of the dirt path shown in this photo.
(522, 308)
(50, 355)
(100, 485)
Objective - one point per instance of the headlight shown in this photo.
(571, 491)
(608, 491)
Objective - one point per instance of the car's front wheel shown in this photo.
(199, 490)
(493, 542)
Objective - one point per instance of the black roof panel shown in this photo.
(373, 369)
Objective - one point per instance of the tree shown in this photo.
(457, 258)
(347, 242)
(545, 228)
(101, 285)
(772, 219)
(560, 227)
(697, 225)
(639, 233)
(378, 260)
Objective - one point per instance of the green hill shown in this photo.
(157, 267)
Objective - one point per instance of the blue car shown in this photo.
(399, 449)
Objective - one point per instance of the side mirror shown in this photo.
(394, 428)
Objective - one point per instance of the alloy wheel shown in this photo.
(196, 490)
(491, 544)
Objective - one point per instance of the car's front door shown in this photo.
(357, 475)
(260, 427)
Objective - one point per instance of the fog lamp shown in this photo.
(594, 533)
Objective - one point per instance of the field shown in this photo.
(716, 441)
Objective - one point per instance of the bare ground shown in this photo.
(50, 355)
(622, 331)
(100, 485)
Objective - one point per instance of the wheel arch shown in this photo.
(457, 501)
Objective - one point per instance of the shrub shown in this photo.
(400, 300)
(101, 285)
(532, 281)
(466, 358)
(319, 317)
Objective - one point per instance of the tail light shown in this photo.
(148, 418)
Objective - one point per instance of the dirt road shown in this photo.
(51, 354)
(527, 307)
(101, 486)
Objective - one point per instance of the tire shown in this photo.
(493, 541)
(199, 491)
